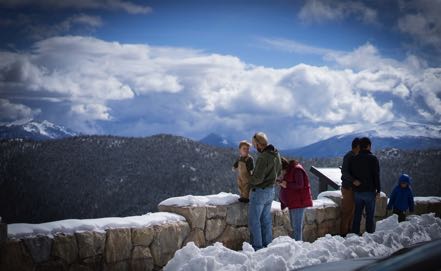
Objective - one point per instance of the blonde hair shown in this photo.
(260, 138)
(244, 143)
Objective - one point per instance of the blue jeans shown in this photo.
(296, 218)
(364, 200)
(260, 222)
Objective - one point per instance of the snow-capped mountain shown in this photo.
(392, 134)
(218, 141)
(34, 130)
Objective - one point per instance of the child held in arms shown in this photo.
(244, 166)
(401, 198)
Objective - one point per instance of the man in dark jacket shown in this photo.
(365, 169)
(268, 167)
(347, 201)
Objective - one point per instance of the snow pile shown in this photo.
(426, 200)
(285, 253)
(327, 194)
(70, 226)
(201, 201)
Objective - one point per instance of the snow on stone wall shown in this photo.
(148, 242)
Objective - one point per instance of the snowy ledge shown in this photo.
(201, 201)
(70, 226)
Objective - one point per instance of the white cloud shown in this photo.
(12, 111)
(330, 10)
(293, 46)
(421, 20)
(127, 6)
(91, 111)
(189, 92)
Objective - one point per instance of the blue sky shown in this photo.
(300, 70)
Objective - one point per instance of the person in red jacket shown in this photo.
(295, 194)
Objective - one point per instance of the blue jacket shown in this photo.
(402, 198)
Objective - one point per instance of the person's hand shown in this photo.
(283, 184)
(356, 183)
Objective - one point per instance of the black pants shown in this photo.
(401, 215)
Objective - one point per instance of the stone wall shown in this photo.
(150, 248)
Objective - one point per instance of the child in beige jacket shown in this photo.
(244, 166)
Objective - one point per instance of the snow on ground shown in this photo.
(427, 200)
(285, 253)
(200, 201)
(337, 194)
(70, 226)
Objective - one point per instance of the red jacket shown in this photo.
(297, 193)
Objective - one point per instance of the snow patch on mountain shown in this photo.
(33, 129)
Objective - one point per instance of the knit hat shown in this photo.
(260, 138)
(404, 178)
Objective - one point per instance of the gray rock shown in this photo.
(118, 266)
(281, 218)
(216, 212)
(118, 245)
(13, 256)
(80, 267)
(381, 206)
(237, 214)
(51, 265)
(195, 216)
(65, 247)
(197, 237)
(90, 244)
(141, 259)
(310, 215)
(214, 228)
(39, 247)
(168, 239)
(142, 236)
(233, 237)
(280, 231)
(310, 232)
(332, 213)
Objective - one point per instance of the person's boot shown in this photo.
(244, 200)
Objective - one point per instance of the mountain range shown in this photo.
(34, 130)
(393, 134)
(216, 140)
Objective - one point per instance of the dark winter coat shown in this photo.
(267, 168)
(346, 177)
(401, 199)
(365, 167)
(297, 193)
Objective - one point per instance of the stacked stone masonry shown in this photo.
(150, 248)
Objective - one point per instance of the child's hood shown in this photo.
(404, 178)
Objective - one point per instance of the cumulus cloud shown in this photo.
(127, 6)
(13, 111)
(421, 20)
(329, 10)
(137, 89)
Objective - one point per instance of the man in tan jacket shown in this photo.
(244, 166)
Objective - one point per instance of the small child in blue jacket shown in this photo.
(401, 198)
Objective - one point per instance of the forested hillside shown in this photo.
(99, 176)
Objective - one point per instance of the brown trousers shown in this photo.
(243, 180)
(347, 210)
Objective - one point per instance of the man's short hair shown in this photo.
(355, 143)
(260, 138)
(365, 142)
